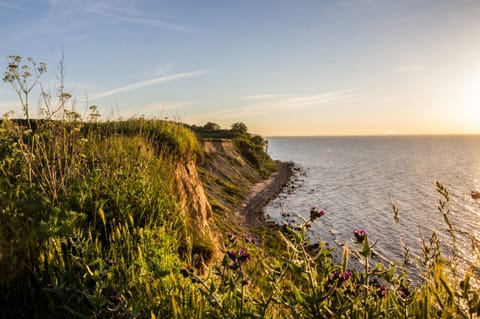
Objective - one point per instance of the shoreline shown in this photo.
(264, 192)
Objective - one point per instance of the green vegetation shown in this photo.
(89, 223)
(91, 226)
(251, 147)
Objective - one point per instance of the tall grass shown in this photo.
(89, 223)
(90, 227)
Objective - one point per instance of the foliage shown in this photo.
(90, 222)
(90, 228)
(251, 147)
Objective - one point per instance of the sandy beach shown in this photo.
(262, 193)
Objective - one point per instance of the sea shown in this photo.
(356, 180)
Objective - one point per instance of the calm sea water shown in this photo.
(356, 180)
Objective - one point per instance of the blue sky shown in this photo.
(345, 67)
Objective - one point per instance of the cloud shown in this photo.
(162, 107)
(10, 5)
(264, 96)
(409, 68)
(141, 84)
(159, 70)
(286, 103)
(296, 102)
(114, 12)
(156, 109)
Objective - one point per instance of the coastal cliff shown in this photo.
(236, 189)
(100, 215)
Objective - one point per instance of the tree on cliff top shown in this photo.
(239, 128)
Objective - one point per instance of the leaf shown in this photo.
(447, 287)
(101, 214)
(366, 251)
(298, 237)
(346, 254)
(296, 269)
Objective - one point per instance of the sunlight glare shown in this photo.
(473, 101)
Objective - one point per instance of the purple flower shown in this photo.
(243, 255)
(382, 291)
(360, 234)
(315, 213)
(346, 276)
(404, 292)
(339, 280)
(113, 296)
(232, 254)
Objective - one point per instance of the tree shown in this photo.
(239, 128)
(210, 126)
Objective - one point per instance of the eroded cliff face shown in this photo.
(222, 179)
(203, 239)
(226, 176)
(192, 196)
(223, 160)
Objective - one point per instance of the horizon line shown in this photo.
(375, 135)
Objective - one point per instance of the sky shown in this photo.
(282, 67)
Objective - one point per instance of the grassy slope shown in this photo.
(90, 222)
(90, 227)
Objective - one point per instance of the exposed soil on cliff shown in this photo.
(235, 190)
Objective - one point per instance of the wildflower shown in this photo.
(382, 291)
(315, 213)
(346, 276)
(112, 262)
(232, 254)
(113, 296)
(243, 255)
(360, 235)
(341, 280)
(404, 292)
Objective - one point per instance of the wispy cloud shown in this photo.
(119, 15)
(257, 97)
(161, 70)
(157, 109)
(163, 107)
(286, 103)
(10, 5)
(141, 84)
(409, 68)
(115, 12)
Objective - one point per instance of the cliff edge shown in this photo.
(236, 190)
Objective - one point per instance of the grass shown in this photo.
(92, 229)
(91, 226)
